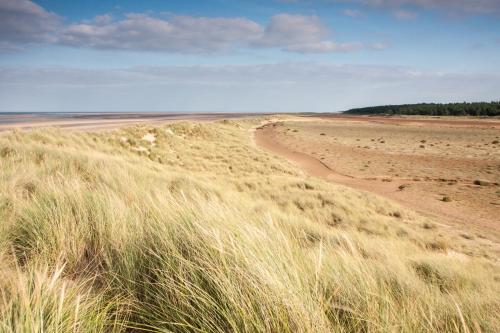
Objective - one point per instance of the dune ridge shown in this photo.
(190, 227)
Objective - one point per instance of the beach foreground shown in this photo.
(191, 226)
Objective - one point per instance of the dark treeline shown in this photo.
(433, 109)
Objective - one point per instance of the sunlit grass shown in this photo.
(200, 231)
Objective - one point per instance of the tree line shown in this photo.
(433, 109)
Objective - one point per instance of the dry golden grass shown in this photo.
(200, 231)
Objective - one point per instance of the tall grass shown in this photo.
(200, 231)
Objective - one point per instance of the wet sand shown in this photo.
(96, 121)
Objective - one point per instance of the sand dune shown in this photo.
(189, 226)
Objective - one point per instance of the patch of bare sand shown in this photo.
(471, 205)
(149, 137)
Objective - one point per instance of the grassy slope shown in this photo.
(203, 232)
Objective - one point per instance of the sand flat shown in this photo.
(430, 165)
(96, 121)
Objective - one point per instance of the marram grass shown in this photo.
(197, 230)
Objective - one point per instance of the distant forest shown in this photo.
(433, 109)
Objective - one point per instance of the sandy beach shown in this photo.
(96, 121)
(445, 168)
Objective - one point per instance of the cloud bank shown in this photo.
(296, 87)
(458, 6)
(448, 6)
(178, 34)
(23, 22)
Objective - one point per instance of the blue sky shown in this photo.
(252, 55)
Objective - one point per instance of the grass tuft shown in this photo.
(207, 233)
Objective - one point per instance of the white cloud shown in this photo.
(403, 14)
(325, 47)
(378, 46)
(179, 34)
(286, 29)
(293, 33)
(22, 21)
(301, 34)
(449, 6)
(352, 12)
(457, 6)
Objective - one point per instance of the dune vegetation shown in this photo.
(189, 227)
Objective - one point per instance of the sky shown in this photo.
(245, 56)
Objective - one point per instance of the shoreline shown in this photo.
(94, 121)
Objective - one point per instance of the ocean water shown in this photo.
(10, 118)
